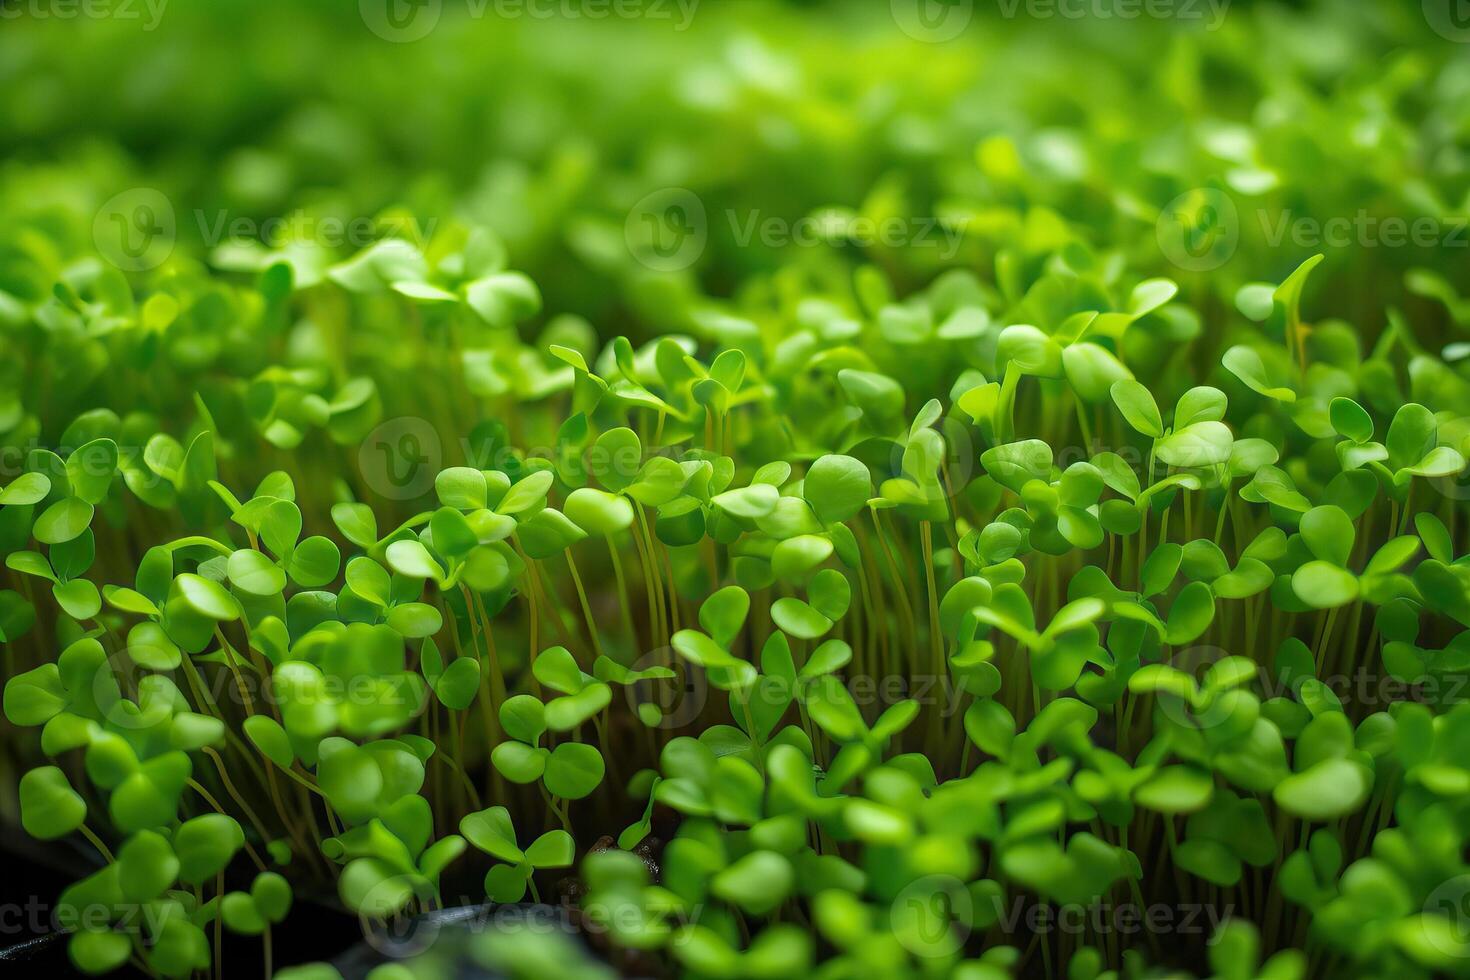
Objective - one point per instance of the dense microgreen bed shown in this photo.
(1072, 584)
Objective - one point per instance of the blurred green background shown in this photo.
(550, 121)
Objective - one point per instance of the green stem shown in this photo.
(624, 604)
(582, 600)
(97, 843)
